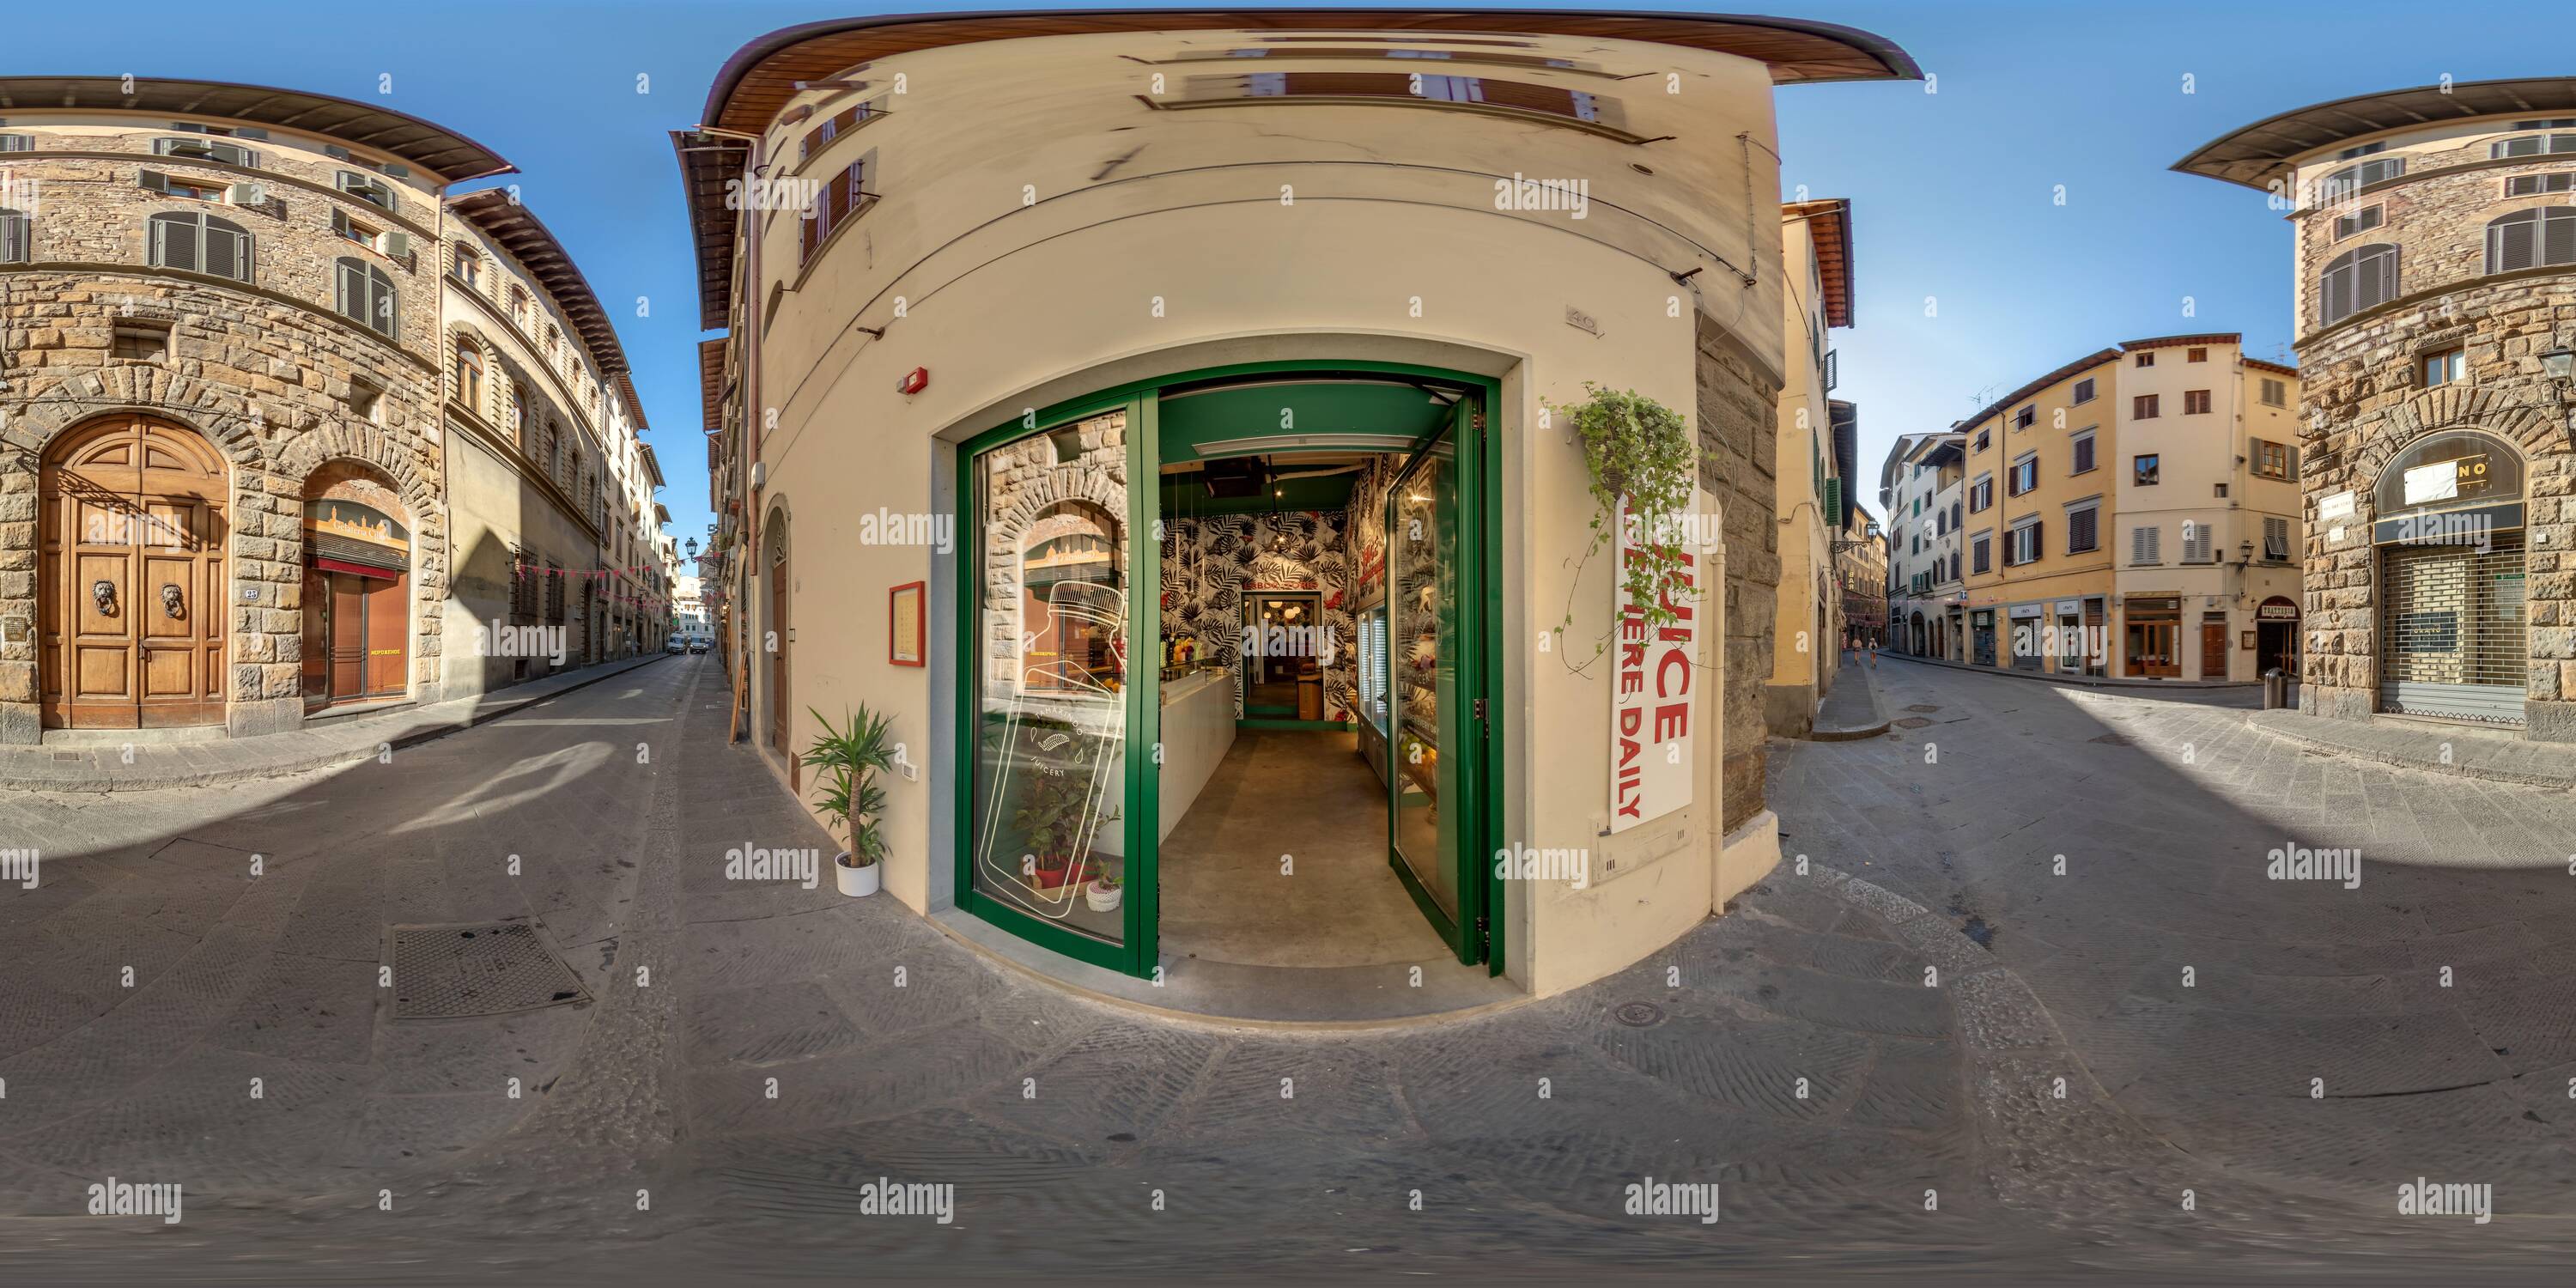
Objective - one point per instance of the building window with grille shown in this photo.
(469, 376)
(17, 143)
(2271, 460)
(2361, 278)
(206, 150)
(2531, 145)
(2021, 544)
(2084, 390)
(843, 197)
(2083, 450)
(1982, 549)
(2343, 184)
(17, 237)
(2534, 185)
(2084, 528)
(2143, 407)
(2358, 222)
(2276, 539)
(200, 243)
(2276, 393)
(365, 295)
(2195, 402)
(2535, 238)
(2146, 546)
(375, 192)
(2146, 359)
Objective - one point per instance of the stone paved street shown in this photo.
(793, 1045)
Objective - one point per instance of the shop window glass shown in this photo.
(1050, 726)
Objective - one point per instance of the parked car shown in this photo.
(697, 643)
(676, 645)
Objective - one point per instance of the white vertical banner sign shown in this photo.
(1650, 695)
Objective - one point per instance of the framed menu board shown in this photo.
(906, 622)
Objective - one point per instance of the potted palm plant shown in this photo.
(849, 759)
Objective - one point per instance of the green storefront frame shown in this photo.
(1138, 952)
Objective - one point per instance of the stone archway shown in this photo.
(359, 559)
(231, 428)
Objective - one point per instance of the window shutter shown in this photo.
(397, 171)
(2038, 542)
(2338, 294)
(250, 132)
(1833, 503)
(152, 181)
(2510, 244)
(2383, 287)
(223, 250)
(245, 194)
(2557, 235)
(174, 242)
(2142, 545)
(397, 245)
(2292, 453)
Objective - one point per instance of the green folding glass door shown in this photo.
(1060, 581)
(1437, 552)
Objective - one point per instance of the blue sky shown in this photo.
(1954, 192)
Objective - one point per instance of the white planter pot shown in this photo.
(1103, 902)
(856, 882)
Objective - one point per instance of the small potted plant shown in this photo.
(1103, 892)
(849, 759)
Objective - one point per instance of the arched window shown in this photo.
(469, 265)
(469, 375)
(2360, 278)
(518, 412)
(553, 460)
(2532, 239)
(17, 237)
(364, 295)
(200, 243)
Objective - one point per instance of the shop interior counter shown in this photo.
(1198, 728)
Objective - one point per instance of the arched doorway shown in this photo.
(1916, 638)
(131, 600)
(357, 588)
(2448, 536)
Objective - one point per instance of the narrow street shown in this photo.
(747, 1057)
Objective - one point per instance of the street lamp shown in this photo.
(2560, 365)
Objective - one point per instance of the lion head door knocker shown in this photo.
(170, 598)
(103, 593)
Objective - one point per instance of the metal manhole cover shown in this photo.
(443, 972)
(1638, 1015)
(1912, 722)
(1924, 707)
(2110, 740)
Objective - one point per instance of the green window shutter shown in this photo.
(1834, 503)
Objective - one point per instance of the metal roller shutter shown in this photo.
(2452, 631)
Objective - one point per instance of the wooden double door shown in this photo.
(131, 582)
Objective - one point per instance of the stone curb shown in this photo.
(280, 762)
(2076, 681)
(2261, 722)
(1877, 722)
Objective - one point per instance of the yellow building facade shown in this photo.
(2039, 574)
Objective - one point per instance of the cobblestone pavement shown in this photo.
(752, 1054)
